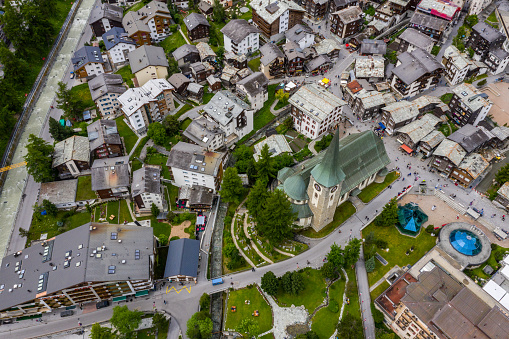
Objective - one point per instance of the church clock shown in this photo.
(318, 188)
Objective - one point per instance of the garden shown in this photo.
(311, 296)
(130, 138)
(497, 254)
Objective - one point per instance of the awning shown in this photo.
(356, 191)
(382, 125)
(325, 80)
(119, 299)
(407, 149)
(141, 293)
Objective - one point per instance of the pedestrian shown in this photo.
(457, 217)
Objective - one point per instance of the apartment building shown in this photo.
(240, 37)
(205, 133)
(77, 267)
(473, 166)
(411, 135)
(456, 65)
(497, 60)
(191, 165)
(411, 39)
(118, 45)
(484, 39)
(272, 61)
(368, 104)
(111, 177)
(276, 17)
(398, 114)
(294, 58)
(302, 35)
(144, 105)
(468, 105)
(149, 24)
(88, 62)
(432, 26)
(254, 88)
(415, 71)
(316, 8)
(477, 6)
(315, 110)
(443, 9)
(105, 142)
(197, 26)
(71, 157)
(104, 17)
(346, 22)
(105, 90)
(146, 189)
(148, 62)
(447, 156)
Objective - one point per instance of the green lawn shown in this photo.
(492, 17)
(446, 98)
(135, 7)
(138, 149)
(491, 261)
(207, 95)
(173, 42)
(113, 208)
(353, 295)
(257, 303)
(280, 105)
(127, 75)
(398, 245)
(343, 212)
(374, 189)
(124, 212)
(129, 136)
(173, 192)
(447, 128)
(161, 229)
(82, 92)
(312, 295)
(48, 224)
(324, 321)
(84, 191)
(159, 159)
(377, 291)
(264, 116)
(185, 123)
(254, 64)
(183, 110)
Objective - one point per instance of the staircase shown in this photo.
(358, 204)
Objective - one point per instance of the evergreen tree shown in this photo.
(39, 159)
(171, 125)
(370, 265)
(7, 122)
(502, 175)
(231, 187)
(68, 102)
(275, 221)
(154, 210)
(292, 283)
(243, 158)
(57, 131)
(336, 256)
(389, 215)
(265, 165)
(350, 327)
(270, 283)
(15, 69)
(218, 12)
(256, 199)
(50, 207)
(173, 66)
(199, 326)
(352, 252)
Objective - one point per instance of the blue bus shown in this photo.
(217, 281)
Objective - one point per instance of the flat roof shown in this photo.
(471, 97)
(59, 192)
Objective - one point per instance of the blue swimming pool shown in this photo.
(465, 242)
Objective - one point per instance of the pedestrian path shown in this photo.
(180, 30)
(253, 243)
(235, 238)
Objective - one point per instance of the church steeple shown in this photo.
(328, 173)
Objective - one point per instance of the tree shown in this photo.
(23, 233)
(283, 160)
(389, 215)
(218, 12)
(328, 271)
(288, 123)
(15, 69)
(171, 125)
(276, 219)
(50, 207)
(159, 321)
(471, 20)
(256, 199)
(155, 210)
(249, 326)
(292, 283)
(7, 122)
(471, 52)
(204, 302)
(231, 187)
(39, 159)
(378, 316)
(370, 265)
(173, 66)
(282, 96)
(59, 132)
(243, 156)
(350, 327)
(352, 251)
(68, 102)
(220, 53)
(199, 326)
(157, 133)
(502, 175)
(482, 83)
(270, 283)
(99, 332)
(125, 320)
(265, 166)
(336, 256)
(230, 250)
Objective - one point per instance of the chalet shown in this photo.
(197, 26)
(111, 177)
(88, 62)
(104, 17)
(71, 157)
(105, 142)
(148, 62)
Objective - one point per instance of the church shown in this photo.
(317, 186)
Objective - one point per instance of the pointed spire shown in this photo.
(328, 173)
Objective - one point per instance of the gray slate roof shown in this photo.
(202, 131)
(177, 79)
(72, 148)
(416, 38)
(193, 20)
(500, 53)
(103, 132)
(85, 55)
(370, 46)
(110, 173)
(269, 53)
(194, 158)
(317, 62)
(59, 192)
(238, 29)
(225, 106)
(183, 256)
(106, 83)
(470, 137)
(146, 180)
(106, 11)
(298, 32)
(415, 64)
(429, 21)
(292, 51)
(115, 36)
(145, 56)
(487, 32)
(254, 83)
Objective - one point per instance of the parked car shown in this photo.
(67, 313)
(102, 304)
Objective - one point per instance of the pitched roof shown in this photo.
(146, 180)
(420, 128)
(270, 11)
(59, 192)
(238, 29)
(225, 106)
(205, 50)
(254, 83)
(177, 79)
(370, 46)
(139, 20)
(269, 53)
(415, 64)
(417, 38)
(434, 138)
(202, 131)
(104, 84)
(317, 62)
(194, 158)
(85, 55)
(183, 256)
(326, 46)
(349, 14)
(184, 50)
(115, 36)
(292, 51)
(450, 150)
(315, 101)
(110, 173)
(457, 58)
(106, 11)
(298, 32)
(103, 132)
(470, 137)
(429, 21)
(487, 32)
(194, 20)
(73, 148)
(401, 111)
(145, 56)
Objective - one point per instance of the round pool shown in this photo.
(465, 242)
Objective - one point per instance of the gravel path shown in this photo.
(284, 317)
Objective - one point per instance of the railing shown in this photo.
(35, 92)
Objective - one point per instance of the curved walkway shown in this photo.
(235, 239)
(276, 113)
(311, 147)
(283, 252)
(253, 243)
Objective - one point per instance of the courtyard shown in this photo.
(499, 95)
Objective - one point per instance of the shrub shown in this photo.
(333, 306)
(430, 229)
(175, 238)
(381, 244)
(370, 265)
(482, 82)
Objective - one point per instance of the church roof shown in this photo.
(296, 188)
(328, 173)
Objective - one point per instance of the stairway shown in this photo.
(358, 204)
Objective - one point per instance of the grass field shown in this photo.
(84, 191)
(377, 291)
(254, 64)
(264, 116)
(324, 321)
(173, 42)
(398, 245)
(491, 261)
(207, 95)
(311, 297)
(352, 294)
(48, 224)
(130, 137)
(374, 189)
(127, 75)
(113, 209)
(185, 123)
(343, 212)
(135, 7)
(257, 302)
(82, 92)
(124, 212)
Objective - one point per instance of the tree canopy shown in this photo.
(471, 20)
(275, 221)
(389, 215)
(265, 166)
(256, 199)
(69, 102)
(59, 132)
(125, 321)
(292, 282)
(99, 332)
(350, 327)
(157, 133)
(270, 283)
(199, 326)
(231, 187)
(502, 175)
(39, 159)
